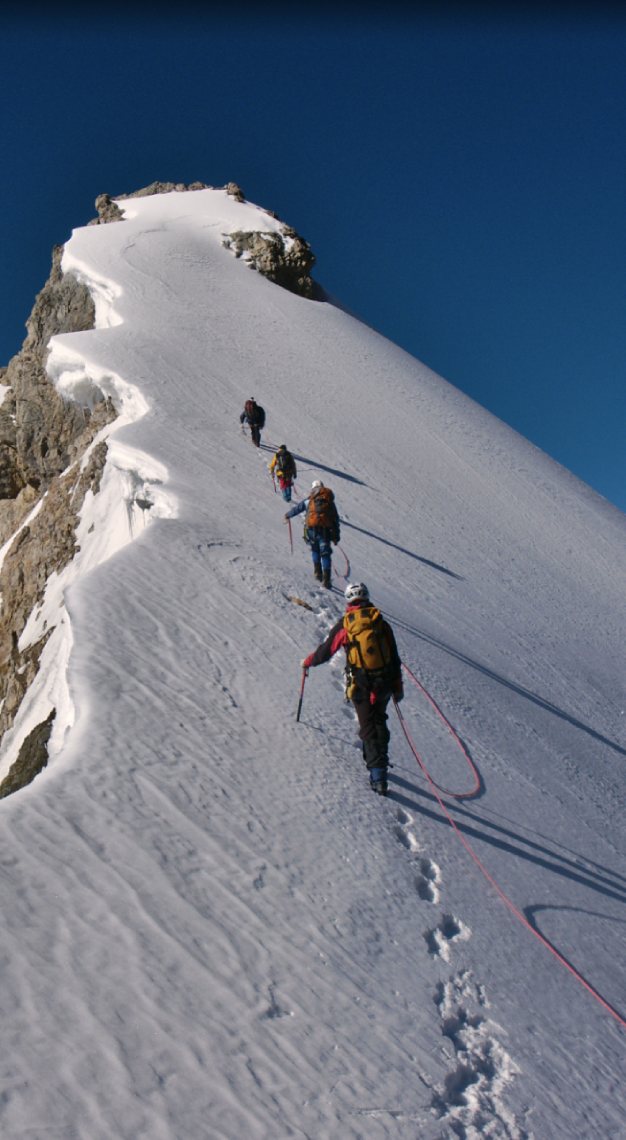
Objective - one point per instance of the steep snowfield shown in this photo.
(211, 927)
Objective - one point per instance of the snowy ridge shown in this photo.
(219, 926)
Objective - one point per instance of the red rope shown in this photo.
(346, 573)
(451, 730)
(498, 889)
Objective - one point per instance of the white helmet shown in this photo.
(316, 484)
(357, 592)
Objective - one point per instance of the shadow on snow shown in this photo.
(403, 550)
(603, 880)
(528, 695)
(315, 463)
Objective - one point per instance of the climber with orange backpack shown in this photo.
(321, 527)
(373, 674)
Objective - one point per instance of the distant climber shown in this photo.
(253, 415)
(321, 527)
(373, 675)
(283, 466)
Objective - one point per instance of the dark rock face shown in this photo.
(39, 431)
(33, 757)
(41, 547)
(42, 438)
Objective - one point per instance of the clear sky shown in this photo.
(459, 173)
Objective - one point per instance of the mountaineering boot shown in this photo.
(317, 571)
(326, 579)
(378, 781)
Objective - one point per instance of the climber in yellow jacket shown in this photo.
(283, 466)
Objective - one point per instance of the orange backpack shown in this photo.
(321, 509)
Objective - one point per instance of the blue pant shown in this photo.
(319, 541)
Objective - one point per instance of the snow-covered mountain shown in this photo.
(211, 927)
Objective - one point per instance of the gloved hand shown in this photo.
(399, 694)
(306, 662)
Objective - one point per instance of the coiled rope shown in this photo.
(432, 702)
(346, 573)
(477, 860)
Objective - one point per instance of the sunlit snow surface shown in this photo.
(211, 927)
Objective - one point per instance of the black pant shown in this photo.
(255, 432)
(373, 729)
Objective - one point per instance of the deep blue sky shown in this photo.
(460, 175)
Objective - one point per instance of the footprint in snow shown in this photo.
(449, 930)
(470, 1100)
(405, 832)
(427, 881)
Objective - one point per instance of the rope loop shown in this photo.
(487, 874)
(457, 739)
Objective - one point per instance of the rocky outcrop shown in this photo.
(32, 758)
(41, 547)
(42, 438)
(40, 433)
(108, 211)
(284, 258)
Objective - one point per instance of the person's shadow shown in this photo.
(315, 463)
(472, 824)
(403, 550)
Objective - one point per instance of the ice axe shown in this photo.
(305, 673)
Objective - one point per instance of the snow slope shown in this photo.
(212, 929)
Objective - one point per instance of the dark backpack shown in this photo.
(255, 413)
(285, 465)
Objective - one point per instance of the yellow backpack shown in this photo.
(368, 647)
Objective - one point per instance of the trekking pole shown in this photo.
(305, 673)
(290, 535)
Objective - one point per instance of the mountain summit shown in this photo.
(212, 928)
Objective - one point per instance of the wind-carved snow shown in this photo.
(104, 293)
(78, 379)
(205, 910)
(131, 494)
